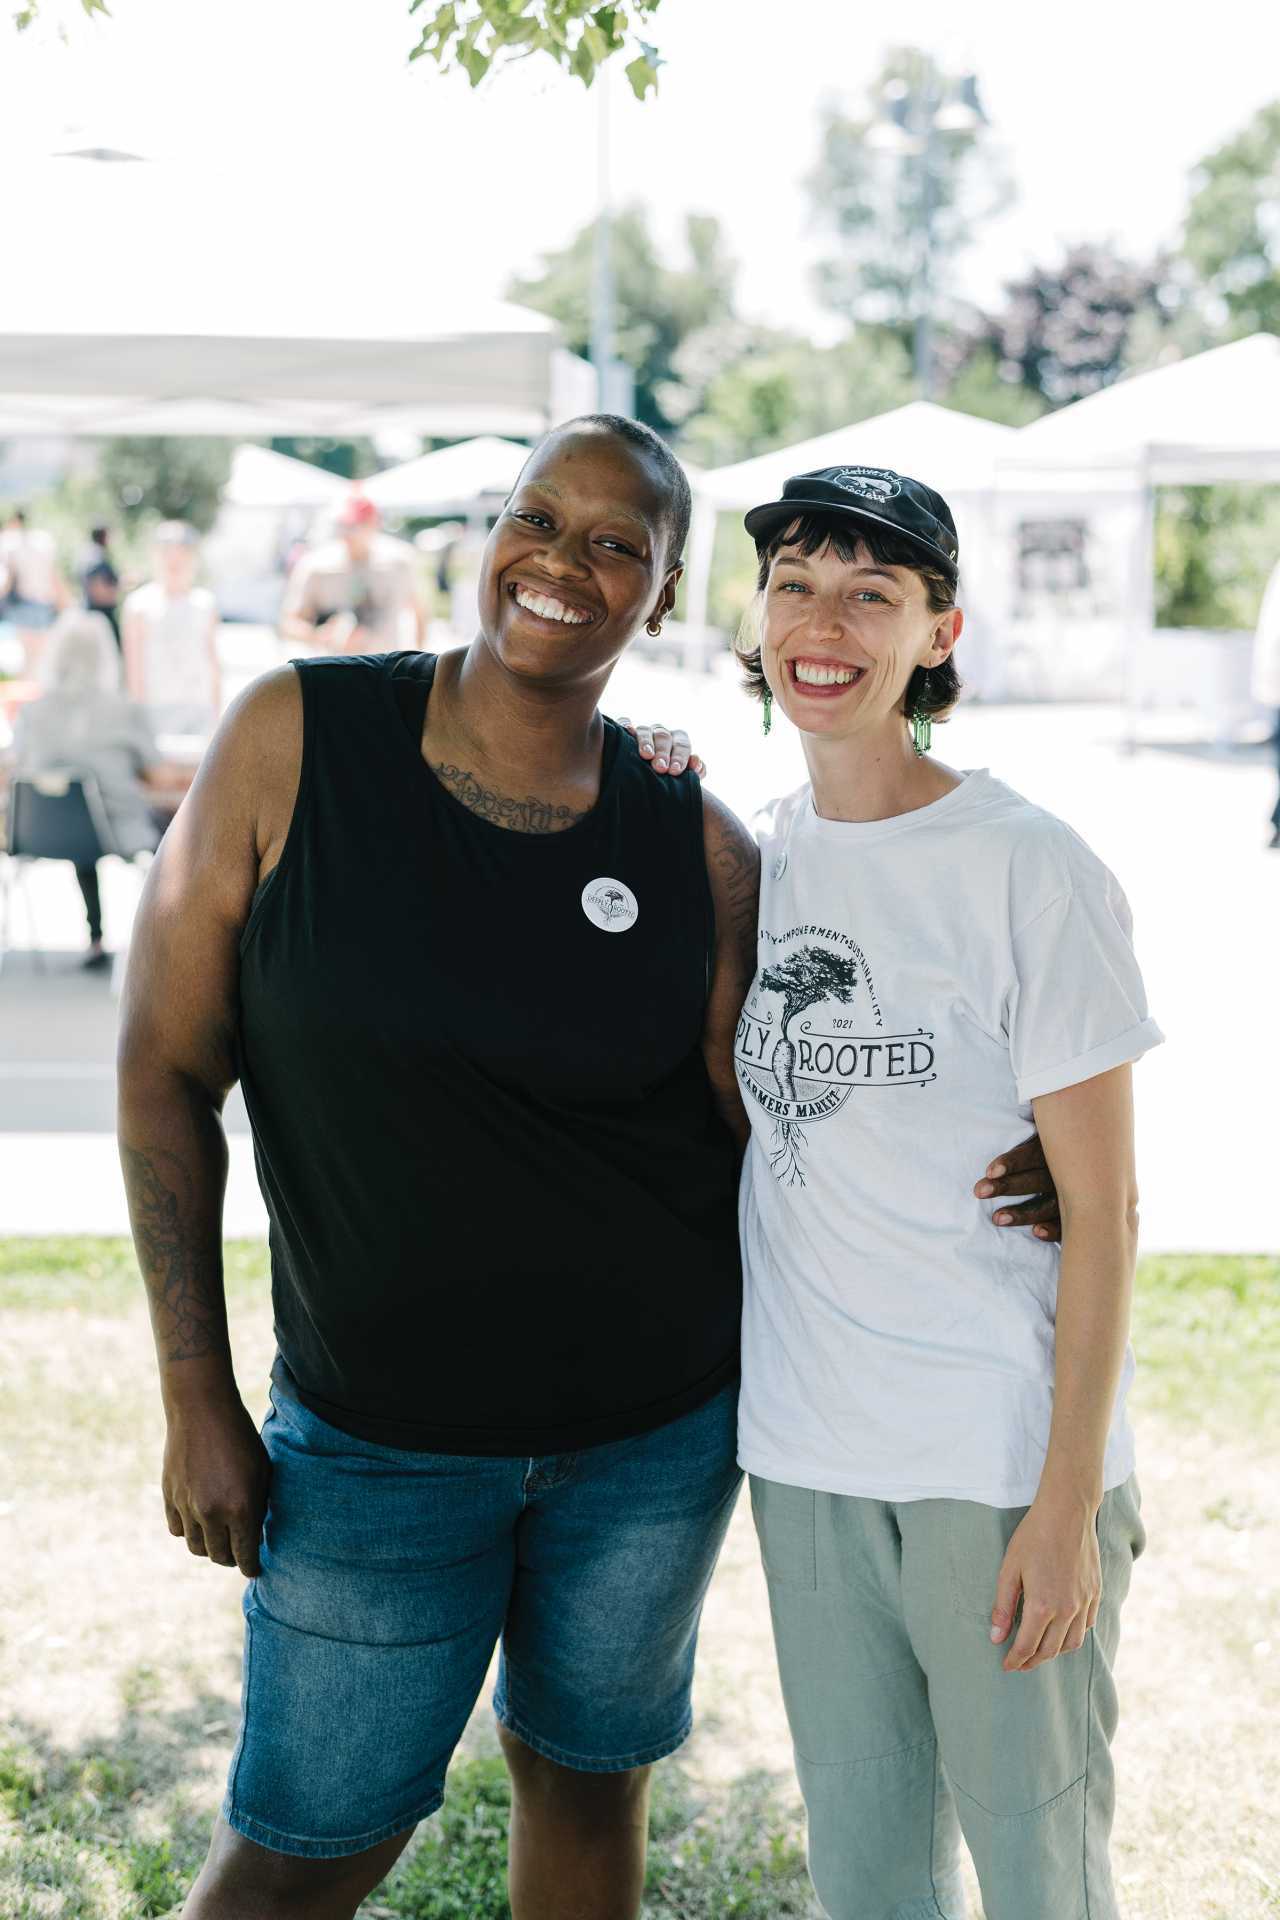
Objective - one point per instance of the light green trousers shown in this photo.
(907, 1730)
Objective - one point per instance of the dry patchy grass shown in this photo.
(119, 1654)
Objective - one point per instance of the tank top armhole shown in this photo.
(267, 889)
(698, 809)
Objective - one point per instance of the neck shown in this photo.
(509, 722)
(872, 776)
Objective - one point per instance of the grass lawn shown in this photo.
(119, 1654)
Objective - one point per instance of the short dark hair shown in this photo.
(678, 502)
(930, 690)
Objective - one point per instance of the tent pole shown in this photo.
(1142, 638)
(702, 541)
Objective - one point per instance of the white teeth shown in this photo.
(811, 676)
(549, 609)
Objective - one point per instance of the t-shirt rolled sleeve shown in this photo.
(1079, 1007)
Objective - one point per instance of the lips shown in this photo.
(823, 679)
(551, 607)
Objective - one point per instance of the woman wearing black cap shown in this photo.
(932, 1412)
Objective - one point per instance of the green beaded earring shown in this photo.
(921, 731)
(768, 710)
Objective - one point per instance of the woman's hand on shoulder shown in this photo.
(667, 749)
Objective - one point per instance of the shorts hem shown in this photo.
(301, 1847)
(580, 1763)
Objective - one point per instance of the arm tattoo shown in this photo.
(189, 1314)
(522, 816)
(737, 863)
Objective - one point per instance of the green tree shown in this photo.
(166, 478)
(1232, 232)
(1215, 548)
(749, 390)
(983, 386)
(577, 34)
(352, 459)
(476, 35)
(657, 307)
(880, 204)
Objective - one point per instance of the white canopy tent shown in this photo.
(452, 481)
(261, 479)
(177, 309)
(955, 452)
(1211, 418)
(269, 503)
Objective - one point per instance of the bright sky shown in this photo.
(312, 122)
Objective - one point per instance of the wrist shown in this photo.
(206, 1385)
(1072, 1483)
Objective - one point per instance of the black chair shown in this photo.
(52, 816)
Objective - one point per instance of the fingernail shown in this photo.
(995, 1633)
(647, 753)
(1003, 1219)
(660, 764)
(997, 1172)
(1042, 1233)
(985, 1189)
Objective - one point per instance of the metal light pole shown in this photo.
(602, 322)
(911, 117)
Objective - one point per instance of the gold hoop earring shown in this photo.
(655, 628)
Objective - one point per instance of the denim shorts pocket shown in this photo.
(786, 1522)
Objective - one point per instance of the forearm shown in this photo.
(174, 1155)
(1095, 1289)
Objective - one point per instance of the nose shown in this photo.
(565, 557)
(828, 619)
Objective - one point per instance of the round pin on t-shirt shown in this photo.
(610, 905)
(920, 981)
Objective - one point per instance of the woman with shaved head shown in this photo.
(478, 973)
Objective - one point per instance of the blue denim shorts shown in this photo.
(388, 1577)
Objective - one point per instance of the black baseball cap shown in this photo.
(874, 496)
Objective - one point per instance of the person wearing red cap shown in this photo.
(356, 593)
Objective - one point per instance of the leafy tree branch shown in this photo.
(578, 35)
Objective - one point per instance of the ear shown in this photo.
(946, 633)
(667, 598)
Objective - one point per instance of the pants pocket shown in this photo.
(976, 1540)
(786, 1523)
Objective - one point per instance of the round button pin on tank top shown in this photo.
(610, 905)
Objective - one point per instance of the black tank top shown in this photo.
(502, 1203)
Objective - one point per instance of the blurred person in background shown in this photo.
(356, 593)
(171, 639)
(85, 725)
(1266, 673)
(32, 589)
(100, 580)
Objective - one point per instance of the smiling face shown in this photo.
(841, 638)
(578, 560)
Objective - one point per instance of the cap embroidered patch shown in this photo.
(873, 483)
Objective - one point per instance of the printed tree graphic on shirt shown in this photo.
(806, 977)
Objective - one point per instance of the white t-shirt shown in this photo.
(919, 981)
(177, 669)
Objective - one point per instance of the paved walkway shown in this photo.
(1183, 828)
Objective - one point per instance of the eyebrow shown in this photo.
(799, 560)
(618, 513)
